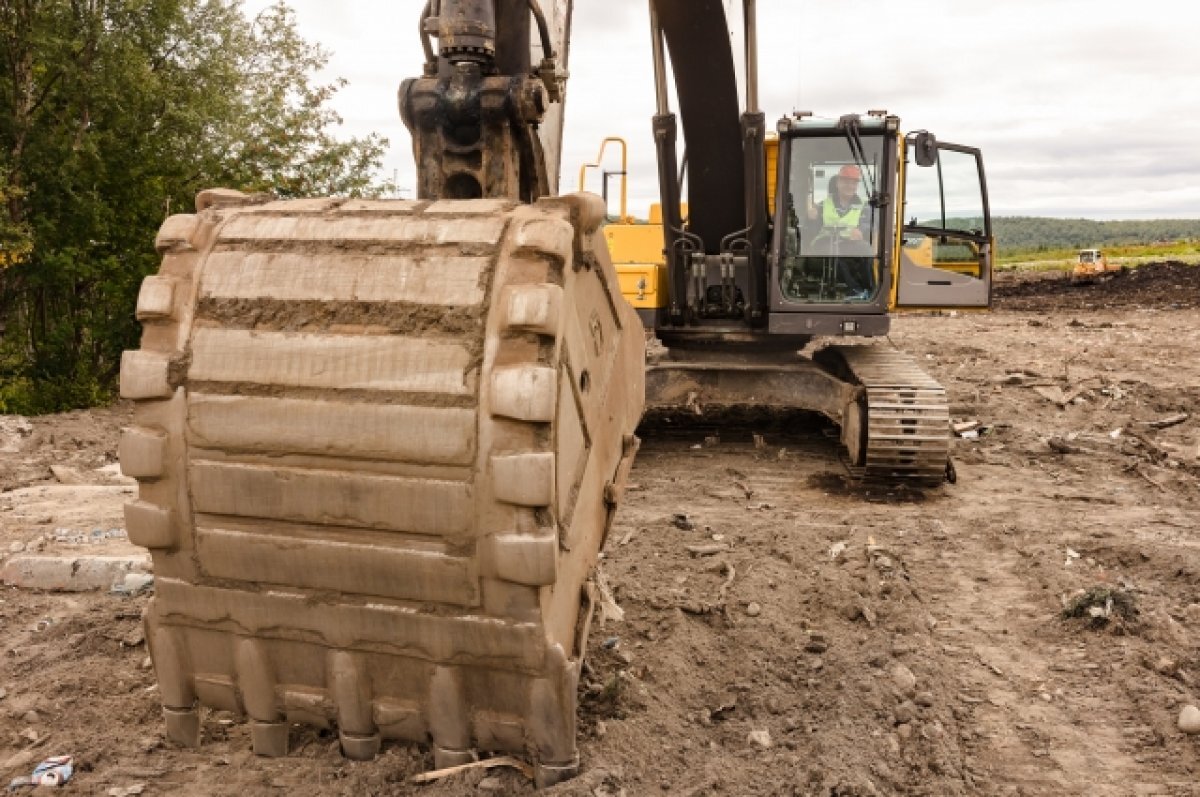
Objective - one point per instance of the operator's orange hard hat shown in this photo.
(850, 172)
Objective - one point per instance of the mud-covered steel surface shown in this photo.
(377, 445)
(894, 417)
(701, 387)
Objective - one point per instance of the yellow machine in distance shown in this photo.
(1091, 265)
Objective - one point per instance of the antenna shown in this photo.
(799, 56)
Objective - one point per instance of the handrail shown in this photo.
(625, 217)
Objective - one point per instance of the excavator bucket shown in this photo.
(379, 445)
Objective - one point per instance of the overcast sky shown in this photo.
(1083, 108)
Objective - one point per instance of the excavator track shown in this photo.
(900, 431)
(379, 444)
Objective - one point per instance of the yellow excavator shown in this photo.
(826, 280)
(379, 443)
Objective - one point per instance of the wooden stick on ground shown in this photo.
(487, 763)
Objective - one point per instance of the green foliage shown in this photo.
(15, 241)
(1024, 235)
(113, 114)
(1100, 605)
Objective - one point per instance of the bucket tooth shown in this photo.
(536, 308)
(156, 299)
(269, 739)
(182, 725)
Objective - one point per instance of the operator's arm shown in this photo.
(865, 223)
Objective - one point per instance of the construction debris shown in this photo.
(486, 764)
(1169, 421)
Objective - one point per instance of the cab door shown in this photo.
(946, 246)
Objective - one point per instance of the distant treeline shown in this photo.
(1034, 233)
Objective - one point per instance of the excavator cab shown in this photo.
(832, 220)
(843, 189)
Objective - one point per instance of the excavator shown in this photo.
(379, 443)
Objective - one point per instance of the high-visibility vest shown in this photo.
(837, 222)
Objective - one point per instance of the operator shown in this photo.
(841, 219)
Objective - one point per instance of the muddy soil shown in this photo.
(786, 631)
(1168, 285)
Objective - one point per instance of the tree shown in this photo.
(113, 114)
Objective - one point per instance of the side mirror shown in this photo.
(924, 147)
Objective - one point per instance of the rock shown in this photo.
(753, 610)
(1165, 666)
(816, 644)
(492, 784)
(905, 713)
(127, 791)
(601, 729)
(1191, 614)
(19, 760)
(69, 573)
(760, 739)
(904, 679)
(133, 584)
(681, 522)
(31, 717)
(924, 699)
(16, 547)
(68, 476)
(1189, 720)
(904, 732)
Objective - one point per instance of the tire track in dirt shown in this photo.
(1040, 725)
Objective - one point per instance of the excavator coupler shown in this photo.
(379, 445)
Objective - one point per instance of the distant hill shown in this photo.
(1035, 233)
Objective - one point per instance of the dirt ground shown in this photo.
(849, 642)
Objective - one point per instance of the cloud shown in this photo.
(1077, 105)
